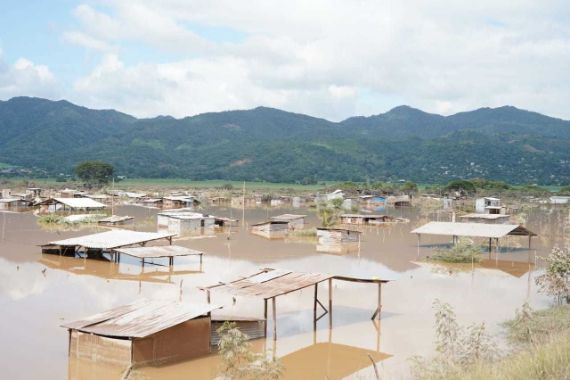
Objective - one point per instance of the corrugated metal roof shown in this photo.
(112, 239)
(287, 217)
(484, 216)
(270, 283)
(472, 229)
(140, 319)
(156, 252)
(365, 216)
(115, 219)
(79, 202)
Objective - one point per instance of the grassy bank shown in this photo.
(540, 350)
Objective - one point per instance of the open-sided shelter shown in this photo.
(268, 284)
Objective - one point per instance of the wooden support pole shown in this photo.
(208, 296)
(529, 240)
(315, 305)
(379, 299)
(330, 303)
(490, 243)
(274, 307)
(265, 316)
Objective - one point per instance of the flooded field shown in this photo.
(38, 293)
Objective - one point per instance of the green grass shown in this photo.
(4, 165)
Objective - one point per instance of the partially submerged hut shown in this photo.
(181, 201)
(116, 220)
(486, 218)
(271, 229)
(337, 240)
(184, 222)
(294, 221)
(69, 205)
(143, 333)
(363, 219)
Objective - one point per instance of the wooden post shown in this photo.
(529, 240)
(265, 315)
(330, 303)
(315, 305)
(274, 307)
(379, 307)
(490, 245)
(208, 296)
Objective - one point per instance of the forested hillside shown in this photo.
(273, 145)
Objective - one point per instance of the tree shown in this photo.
(460, 185)
(94, 172)
(409, 187)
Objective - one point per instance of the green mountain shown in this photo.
(268, 144)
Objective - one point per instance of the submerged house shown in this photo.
(69, 205)
(294, 221)
(179, 201)
(363, 219)
(143, 333)
(337, 240)
(486, 218)
(372, 201)
(272, 229)
(184, 222)
(489, 205)
(243, 202)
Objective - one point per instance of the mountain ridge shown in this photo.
(266, 143)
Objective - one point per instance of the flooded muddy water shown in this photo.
(38, 293)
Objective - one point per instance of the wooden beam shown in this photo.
(330, 303)
(265, 316)
(315, 305)
(274, 307)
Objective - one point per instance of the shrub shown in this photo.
(556, 280)
(462, 252)
(239, 362)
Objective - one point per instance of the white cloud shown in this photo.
(328, 58)
(24, 77)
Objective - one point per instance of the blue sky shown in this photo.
(327, 58)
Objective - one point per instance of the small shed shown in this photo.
(337, 240)
(116, 220)
(271, 229)
(294, 221)
(184, 223)
(220, 201)
(143, 333)
(243, 202)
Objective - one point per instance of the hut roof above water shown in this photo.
(473, 229)
(140, 319)
(76, 202)
(157, 252)
(287, 217)
(485, 216)
(112, 239)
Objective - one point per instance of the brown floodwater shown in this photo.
(39, 292)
